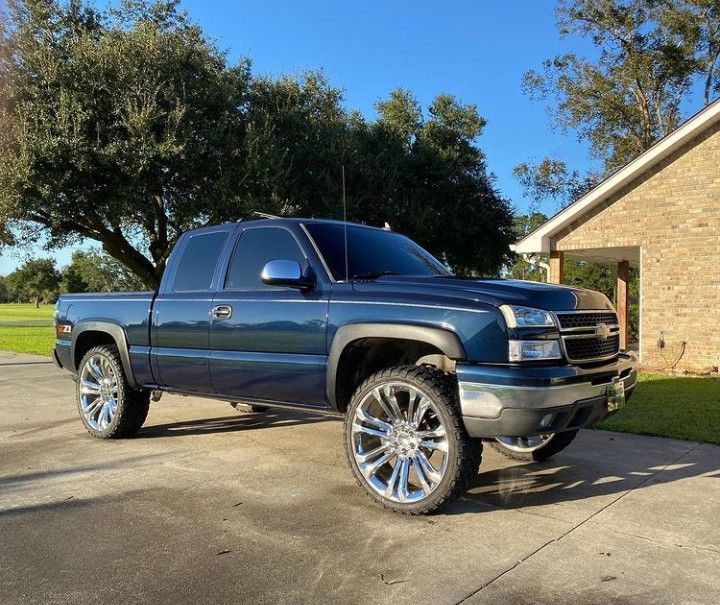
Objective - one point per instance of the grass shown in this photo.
(25, 329)
(16, 312)
(37, 340)
(671, 406)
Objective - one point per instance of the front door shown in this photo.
(268, 342)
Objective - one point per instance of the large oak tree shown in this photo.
(128, 126)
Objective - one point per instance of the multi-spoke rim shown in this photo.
(399, 442)
(525, 445)
(98, 392)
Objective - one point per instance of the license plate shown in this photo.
(615, 395)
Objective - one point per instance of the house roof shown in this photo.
(538, 241)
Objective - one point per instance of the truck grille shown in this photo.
(586, 320)
(589, 336)
(591, 348)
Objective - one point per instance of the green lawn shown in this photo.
(671, 406)
(38, 340)
(25, 329)
(24, 312)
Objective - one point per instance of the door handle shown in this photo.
(222, 312)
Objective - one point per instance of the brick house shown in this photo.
(661, 214)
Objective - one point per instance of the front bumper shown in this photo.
(519, 401)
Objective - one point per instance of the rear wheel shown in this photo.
(533, 449)
(109, 407)
(405, 440)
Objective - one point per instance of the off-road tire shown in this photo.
(132, 405)
(558, 443)
(464, 452)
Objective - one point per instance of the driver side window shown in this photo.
(256, 247)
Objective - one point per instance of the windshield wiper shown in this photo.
(372, 274)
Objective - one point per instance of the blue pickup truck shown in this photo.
(343, 318)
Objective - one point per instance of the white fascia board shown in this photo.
(539, 240)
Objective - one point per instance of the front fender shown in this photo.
(446, 341)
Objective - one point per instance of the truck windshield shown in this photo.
(372, 252)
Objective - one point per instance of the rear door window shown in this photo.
(198, 262)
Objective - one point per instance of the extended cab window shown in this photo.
(197, 264)
(257, 247)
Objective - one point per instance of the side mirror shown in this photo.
(286, 273)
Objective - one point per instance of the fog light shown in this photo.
(528, 350)
(547, 421)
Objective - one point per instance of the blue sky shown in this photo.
(476, 50)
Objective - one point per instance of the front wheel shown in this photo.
(405, 440)
(109, 407)
(533, 449)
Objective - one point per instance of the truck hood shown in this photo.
(497, 292)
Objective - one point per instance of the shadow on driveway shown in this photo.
(236, 422)
(569, 478)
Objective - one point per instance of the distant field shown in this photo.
(25, 329)
(23, 312)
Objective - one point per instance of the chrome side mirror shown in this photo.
(286, 273)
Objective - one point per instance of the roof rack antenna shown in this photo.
(344, 201)
(265, 214)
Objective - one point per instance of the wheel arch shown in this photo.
(423, 340)
(88, 334)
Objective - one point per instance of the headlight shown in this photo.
(526, 317)
(529, 350)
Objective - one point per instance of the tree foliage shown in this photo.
(552, 179)
(650, 54)
(95, 271)
(655, 58)
(5, 295)
(127, 127)
(34, 281)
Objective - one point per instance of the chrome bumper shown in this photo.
(504, 404)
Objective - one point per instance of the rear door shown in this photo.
(181, 313)
(269, 342)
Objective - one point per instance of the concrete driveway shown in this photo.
(211, 505)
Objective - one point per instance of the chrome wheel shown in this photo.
(399, 442)
(525, 445)
(98, 392)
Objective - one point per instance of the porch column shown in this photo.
(557, 267)
(622, 301)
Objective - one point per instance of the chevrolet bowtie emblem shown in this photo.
(602, 331)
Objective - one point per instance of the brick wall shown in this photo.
(673, 213)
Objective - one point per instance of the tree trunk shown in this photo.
(118, 247)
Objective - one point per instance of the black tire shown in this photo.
(557, 443)
(463, 453)
(132, 405)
